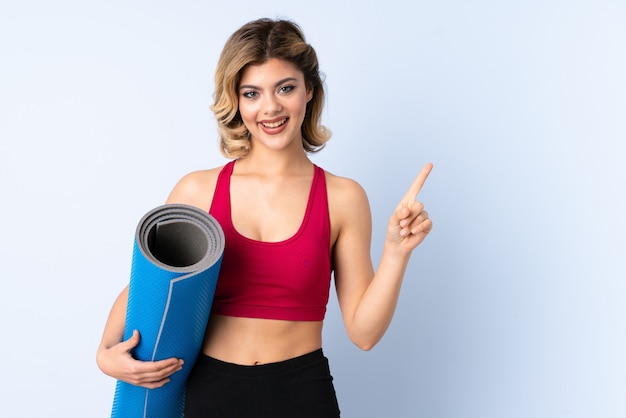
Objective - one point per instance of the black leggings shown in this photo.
(298, 387)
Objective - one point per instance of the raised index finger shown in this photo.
(415, 188)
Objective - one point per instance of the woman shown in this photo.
(288, 225)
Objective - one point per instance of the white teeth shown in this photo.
(275, 124)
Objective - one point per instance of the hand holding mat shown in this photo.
(176, 260)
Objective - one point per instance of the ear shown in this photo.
(309, 94)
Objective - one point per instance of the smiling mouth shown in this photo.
(275, 124)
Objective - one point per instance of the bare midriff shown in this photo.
(253, 341)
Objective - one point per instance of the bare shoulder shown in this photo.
(196, 188)
(346, 197)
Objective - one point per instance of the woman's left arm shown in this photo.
(368, 299)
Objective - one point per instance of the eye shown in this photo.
(286, 89)
(249, 94)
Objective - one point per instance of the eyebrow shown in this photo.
(283, 81)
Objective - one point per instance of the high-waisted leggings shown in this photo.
(298, 387)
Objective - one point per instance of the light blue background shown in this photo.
(515, 306)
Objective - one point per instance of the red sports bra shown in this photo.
(288, 280)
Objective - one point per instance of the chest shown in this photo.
(269, 210)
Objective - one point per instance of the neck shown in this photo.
(275, 162)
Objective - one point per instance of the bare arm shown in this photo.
(195, 189)
(114, 357)
(368, 299)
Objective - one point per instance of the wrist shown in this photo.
(396, 250)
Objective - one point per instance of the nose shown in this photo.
(271, 104)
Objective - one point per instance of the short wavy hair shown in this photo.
(253, 44)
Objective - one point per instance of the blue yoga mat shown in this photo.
(177, 255)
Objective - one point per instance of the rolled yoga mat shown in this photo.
(176, 260)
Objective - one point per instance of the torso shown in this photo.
(269, 209)
(253, 341)
(279, 206)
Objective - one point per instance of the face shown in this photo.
(272, 104)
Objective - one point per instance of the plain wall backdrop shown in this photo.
(515, 306)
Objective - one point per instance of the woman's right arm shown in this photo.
(114, 358)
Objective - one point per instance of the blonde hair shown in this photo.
(255, 43)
